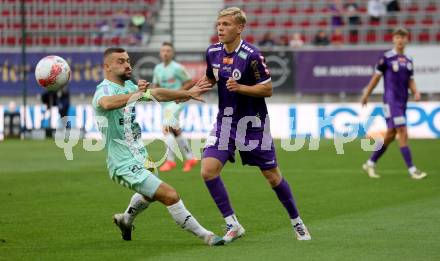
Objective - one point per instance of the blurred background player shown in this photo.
(126, 151)
(398, 72)
(243, 81)
(171, 75)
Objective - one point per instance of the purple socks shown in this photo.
(378, 153)
(285, 196)
(220, 195)
(406, 154)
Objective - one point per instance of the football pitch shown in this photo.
(54, 209)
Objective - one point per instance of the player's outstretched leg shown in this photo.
(211, 168)
(169, 197)
(124, 221)
(406, 154)
(185, 149)
(170, 163)
(370, 166)
(284, 194)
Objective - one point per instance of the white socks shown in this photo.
(370, 163)
(232, 220)
(186, 221)
(184, 147)
(296, 221)
(171, 146)
(138, 203)
(412, 170)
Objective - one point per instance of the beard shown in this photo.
(125, 76)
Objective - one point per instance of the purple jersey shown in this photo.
(246, 65)
(397, 70)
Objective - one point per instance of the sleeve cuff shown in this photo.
(265, 81)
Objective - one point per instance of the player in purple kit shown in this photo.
(243, 81)
(398, 72)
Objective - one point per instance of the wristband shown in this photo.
(146, 96)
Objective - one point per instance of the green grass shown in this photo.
(54, 209)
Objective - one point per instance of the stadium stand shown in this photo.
(77, 22)
(284, 18)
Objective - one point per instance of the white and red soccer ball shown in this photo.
(52, 73)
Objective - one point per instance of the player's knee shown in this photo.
(273, 176)
(274, 179)
(173, 197)
(167, 195)
(209, 171)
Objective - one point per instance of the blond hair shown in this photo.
(237, 13)
(401, 31)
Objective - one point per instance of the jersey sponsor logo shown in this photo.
(228, 60)
(227, 69)
(236, 74)
(121, 120)
(254, 66)
(242, 55)
(215, 49)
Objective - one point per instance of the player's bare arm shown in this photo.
(187, 85)
(414, 91)
(370, 87)
(118, 101)
(257, 90)
(205, 79)
(194, 93)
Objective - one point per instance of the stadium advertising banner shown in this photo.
(280, 64)
(302, 120)
(86, 69)
(334, 71)
(426, 67)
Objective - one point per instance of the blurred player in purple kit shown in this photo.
(398, 72)
(243, 81)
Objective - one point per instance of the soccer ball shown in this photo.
(52, 73)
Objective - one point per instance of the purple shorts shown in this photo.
(262, 155)
(395, 115)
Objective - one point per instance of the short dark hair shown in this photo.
(400, 31)
(168, 44)
(111, 50)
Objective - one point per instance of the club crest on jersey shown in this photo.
(236, 74)
(395, 66)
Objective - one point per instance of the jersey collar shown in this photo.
(236, 49)
(113, 83)
(394, 51)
